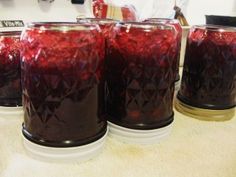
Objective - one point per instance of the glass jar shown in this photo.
(178, 28)
(209, 74)
(61, 70)
(10, 72)
(140, 73)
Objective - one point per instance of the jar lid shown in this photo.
(68, 154)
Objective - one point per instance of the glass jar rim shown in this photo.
(102, 21)
(10, 33)
(216, 28)
(62, 26)
(162, 19)
(145, 25)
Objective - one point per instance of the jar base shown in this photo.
(11, 112)
(77, 154)
(134, 136)
(204, 114)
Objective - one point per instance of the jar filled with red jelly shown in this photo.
(61, 70)
(208, 87)
(10, 72)
(140, 74)
(178, 28)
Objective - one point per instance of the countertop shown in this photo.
(195, 148)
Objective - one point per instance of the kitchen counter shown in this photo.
(195, 148)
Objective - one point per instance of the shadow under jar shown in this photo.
(140, 73)
(178, 29)
(10, 73)
(208, 87)
(61, 70)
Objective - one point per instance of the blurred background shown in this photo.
(64, 10)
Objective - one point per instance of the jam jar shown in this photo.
(61, 70)
(208, 87)
(140, 75)
(10, 75)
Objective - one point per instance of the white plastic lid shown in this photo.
(134, 136)
(70, 154)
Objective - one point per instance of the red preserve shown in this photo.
(61, 70)
(209, 75)
(178, 28)
(106, 27)
(140, 73)
(10, 74)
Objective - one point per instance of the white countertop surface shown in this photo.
(195, 148)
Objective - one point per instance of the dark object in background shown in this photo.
(221, 20)
(77, 1)
(180, 16)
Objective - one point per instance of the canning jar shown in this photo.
(61, 70)
(10, 73)
(140, 74)
(208, 87)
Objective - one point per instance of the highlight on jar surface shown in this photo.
(61, 71)
(140, 73)
(208, 87)
(10, 74)
(178, 28)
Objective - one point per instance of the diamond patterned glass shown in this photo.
(209, 75)
(61, 73)
(178, 29)
(140, 73)
(10, 74)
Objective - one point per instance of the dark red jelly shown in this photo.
(178, 28)
(209, 75)
(61, 71)
(105, 25)
(140, 73)
(10, 74)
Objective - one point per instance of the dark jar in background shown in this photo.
(140, 73)
(178, 29)
(10, 73)
(61, 70)
(209, 74)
